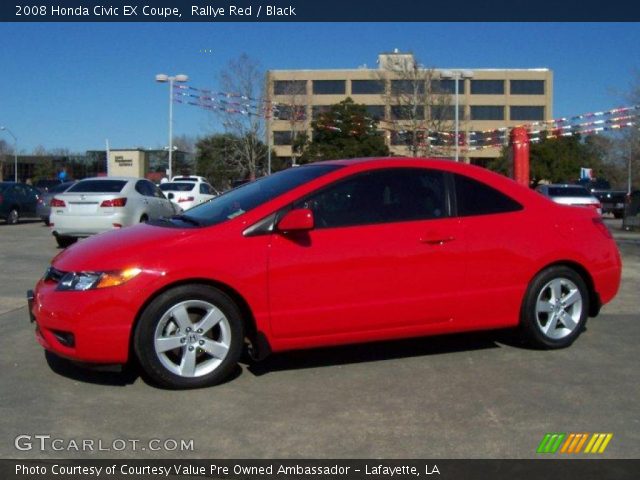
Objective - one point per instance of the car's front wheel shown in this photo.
(555, 308)
(190, 336)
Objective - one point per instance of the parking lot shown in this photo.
(465, 396)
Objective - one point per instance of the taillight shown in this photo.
(56, 202)
(116, 202)
(185, 199)
(599, 224)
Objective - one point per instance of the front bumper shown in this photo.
(91, 326)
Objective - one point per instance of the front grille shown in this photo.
(53, 275)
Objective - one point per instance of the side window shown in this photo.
(204, 188)
(141, 188)
(382, 196)
(476, 198)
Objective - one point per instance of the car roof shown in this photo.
(112, 178)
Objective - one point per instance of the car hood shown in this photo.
(117, 249)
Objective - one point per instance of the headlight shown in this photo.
(79, 281)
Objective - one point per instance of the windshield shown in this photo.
(251, 195)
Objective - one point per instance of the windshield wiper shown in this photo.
(187, 219)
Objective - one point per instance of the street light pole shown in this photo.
(162, 78)
(456, 76)
(15, 153)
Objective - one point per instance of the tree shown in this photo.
(292, 108)
(244, 79)
(418, 104)
(557, 160)
(4, 149)
(218, 159)
(345, 131)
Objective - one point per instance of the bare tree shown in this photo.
(419, 108)
(291, 107)
(244, 81)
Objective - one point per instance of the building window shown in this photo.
(443, 86)
(487, 87)
(527, 87)
(290, 112)
(318, 110)
(527, 113)
(406, 87)
(407, 112)
(329, 87)
(367, 87)
(376, 112)
(487, 112)
(282, 138)
(446, 112)
(290, 87)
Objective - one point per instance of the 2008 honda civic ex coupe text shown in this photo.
(329, 253)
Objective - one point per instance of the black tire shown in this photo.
(144, 218)
(64, 241)
(618, 215)
(13, 217)
(563, 320)
(160, 320)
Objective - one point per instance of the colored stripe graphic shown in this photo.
(598, 443)
(551, 442)
(574, 443)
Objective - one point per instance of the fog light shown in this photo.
(65, 338)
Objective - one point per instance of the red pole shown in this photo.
(519, 144)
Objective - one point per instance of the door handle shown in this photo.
(437, 240)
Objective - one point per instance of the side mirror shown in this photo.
(170, 196)
(298, 220)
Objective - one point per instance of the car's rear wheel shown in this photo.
(64, 241)
(189, 337)
(144, 218)
(13, 217)
(555, 308)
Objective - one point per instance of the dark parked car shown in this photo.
(44, 207)
(47, 184)
(17, 200)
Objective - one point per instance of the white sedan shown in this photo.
(570, 195)
(99, 204)
(187, 194)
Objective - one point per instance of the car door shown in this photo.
(384, 255)
(499, 240)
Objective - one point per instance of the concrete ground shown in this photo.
(464, 396)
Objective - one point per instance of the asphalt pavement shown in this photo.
(476, 395)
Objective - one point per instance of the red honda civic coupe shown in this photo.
(329, 253)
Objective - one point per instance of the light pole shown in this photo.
(456, 76)
(15, 153)
(162, 78)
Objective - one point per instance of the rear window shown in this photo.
(177, 187)
(568, 192)
(98, 186)
(186, 179)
